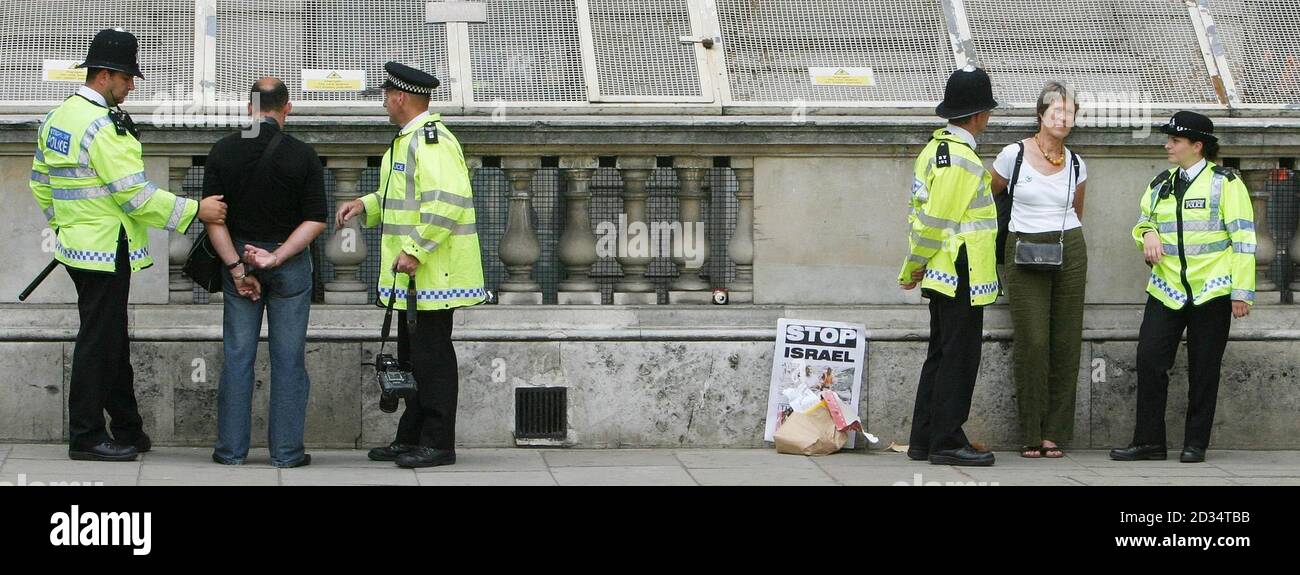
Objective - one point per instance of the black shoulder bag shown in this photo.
(204, 264)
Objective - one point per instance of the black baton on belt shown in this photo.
(37, 282)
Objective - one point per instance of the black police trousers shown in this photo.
(102, 378)
(951, 366)
(1207, 336)
(430, 418)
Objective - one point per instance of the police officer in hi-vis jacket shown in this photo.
(1197, 232)
(88, 178)
(952, 254)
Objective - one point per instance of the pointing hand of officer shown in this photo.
(1152, 249)
(348, 211)
(212, 210)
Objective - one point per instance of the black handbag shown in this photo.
(204, 264)
(1050, 256)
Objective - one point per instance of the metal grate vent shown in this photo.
(541, 412)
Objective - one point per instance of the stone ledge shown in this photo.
(611, 323)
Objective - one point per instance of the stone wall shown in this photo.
(636, 376)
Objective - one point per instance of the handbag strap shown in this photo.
(1015, 172)
(1071, 186)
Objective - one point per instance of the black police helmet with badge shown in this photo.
(114, 49)
(969, 91)
(1190, 125)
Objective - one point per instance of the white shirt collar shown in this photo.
(90, 94)
(417, 121)
(964, 135)
(1194, 171)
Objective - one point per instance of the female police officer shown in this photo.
(1197, 232)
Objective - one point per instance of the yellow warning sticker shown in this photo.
(842, 76)
(62, 71)
(333, 80)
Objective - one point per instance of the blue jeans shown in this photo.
(286, 299)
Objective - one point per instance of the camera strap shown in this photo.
(411, 310)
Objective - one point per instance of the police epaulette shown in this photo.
(431, 132)
(942, 157)
(1225, 172)
(1160, 181)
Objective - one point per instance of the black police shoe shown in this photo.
(106, 451)
(142, 443)
(966, 456)
(1140, 453)
(390, 452)
(916, 454)
(1192, 455)
(427, 457)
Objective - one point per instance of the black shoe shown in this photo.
(1140, 453)
(304, 462)
(966, 456)
(389, 453)
(142, 443)
(218, 459)
(426, 457)
(106, 451)
(917, 454)
(1192, 455)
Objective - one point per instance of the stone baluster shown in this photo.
(690, 247)
(519, 249)
(577, 249)
(635, 288)
(179, 288)
(741, 247)
(346, 248)
(1256, 172)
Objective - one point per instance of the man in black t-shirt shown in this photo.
(274, 188)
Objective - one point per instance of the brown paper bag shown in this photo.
(810, 433)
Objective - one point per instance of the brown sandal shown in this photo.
(1048, 451)
(1027, 450)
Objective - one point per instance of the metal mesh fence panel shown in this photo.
(281, 38)
(1100, 46)
(491, 207)
(722, 208)
(1283, 215)
(770, 46)
(32, 31)
(1263, 54)
(606, 206)
(548, 221)
(528, 51)
(637, 49)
